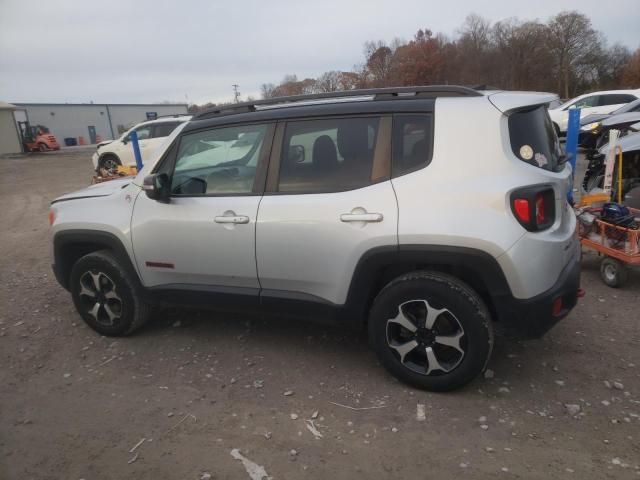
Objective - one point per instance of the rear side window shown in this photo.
(329, 155)
(616, 99)
(164, 129)
(411, 143)
(533, 139)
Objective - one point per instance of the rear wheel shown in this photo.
(431, 331)
(106, 295)
(613, 272)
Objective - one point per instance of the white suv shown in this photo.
(596, 102)
(111, 153)
(424, 213)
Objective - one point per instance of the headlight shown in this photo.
(590, 126)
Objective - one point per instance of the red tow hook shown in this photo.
(581, 293)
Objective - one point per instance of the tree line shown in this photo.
(565, 55)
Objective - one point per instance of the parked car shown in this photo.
(111, 153)
(594, 128)
(597, 102)
(594, 176)
(363, 208)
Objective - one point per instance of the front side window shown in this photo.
(586, 102)
(328, 155)
(143, 132)
(220, 161)
(411, 143)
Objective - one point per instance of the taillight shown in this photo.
(52, 216)
(521, 209)
(539, 209)
(534, 207)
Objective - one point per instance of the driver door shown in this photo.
(204, 236)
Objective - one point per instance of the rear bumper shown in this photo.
(534, 316)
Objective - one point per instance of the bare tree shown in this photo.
(379, 59)
(570, 40)
(329, 82)
(267, 89)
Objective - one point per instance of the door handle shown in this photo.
(361, 217)
(235, 219)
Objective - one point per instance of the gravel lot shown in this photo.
(197, 385)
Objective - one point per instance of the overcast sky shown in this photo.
(194, 50)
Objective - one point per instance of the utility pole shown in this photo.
(236, 93)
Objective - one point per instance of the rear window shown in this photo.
(533, 139)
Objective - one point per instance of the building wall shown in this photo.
(70, 120)
(73, 120)
(9, 138)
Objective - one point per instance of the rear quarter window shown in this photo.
(533, 138)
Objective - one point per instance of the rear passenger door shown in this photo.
(159, 132)
(328, 201)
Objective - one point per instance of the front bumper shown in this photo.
(535, 316)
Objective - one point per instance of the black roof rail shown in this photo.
(387, 93)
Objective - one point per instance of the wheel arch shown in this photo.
(379, 266)
(71, 245)
(108, 154)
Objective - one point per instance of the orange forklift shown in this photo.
(38, 138)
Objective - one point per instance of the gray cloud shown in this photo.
(144, 51)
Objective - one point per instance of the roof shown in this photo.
(7, 106)
(376, 94)
(29, 104)
(371, 101)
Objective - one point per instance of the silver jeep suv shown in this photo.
(425, 214)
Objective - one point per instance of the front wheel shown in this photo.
(431, 330)
(106, 295)
(110, 163)
(42, 147)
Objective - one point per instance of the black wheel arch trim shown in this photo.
(393, 261)
(70, 245)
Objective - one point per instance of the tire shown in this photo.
(460, 318)
(109, 162)
(613, 272)
(42, 147)
(106, 295)
(593, 179)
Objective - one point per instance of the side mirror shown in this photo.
(157, 187)
(296, 154)
(125, 140)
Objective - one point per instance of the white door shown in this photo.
(205, 234)
(125, 147)
(332, 201)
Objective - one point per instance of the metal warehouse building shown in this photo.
(90, 123)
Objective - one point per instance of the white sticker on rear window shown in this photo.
(541, 160)
(526, 152)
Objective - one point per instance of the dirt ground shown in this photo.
(196, 385)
